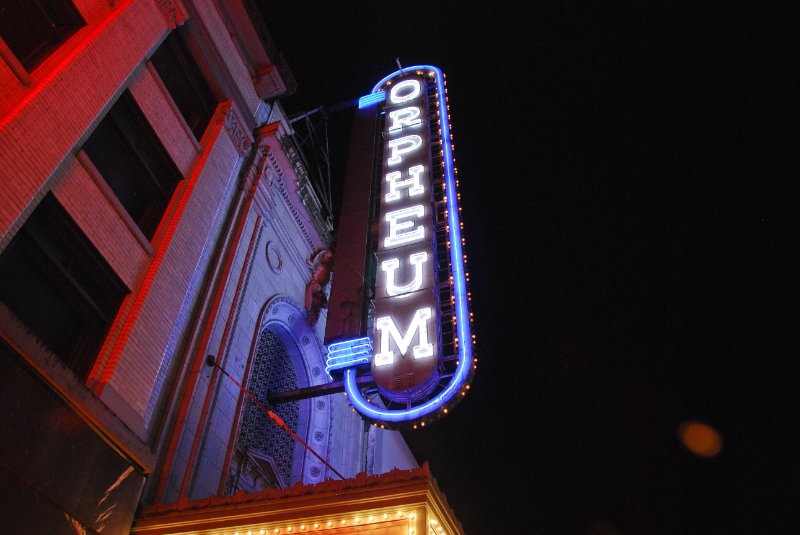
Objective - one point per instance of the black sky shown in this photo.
(626, 172)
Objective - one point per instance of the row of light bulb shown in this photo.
(330, 524)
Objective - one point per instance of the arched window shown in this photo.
(273, 371)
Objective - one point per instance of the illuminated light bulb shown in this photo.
(371, 518)
(385, 516)
(276, 530)
(330, 523)
(316, 525)
(261, 532)
(467, 387)
(400, 514)
(302, 527)
(290, 529)
(445, 411)
(422, 424)
(358, 520)
(344, 521)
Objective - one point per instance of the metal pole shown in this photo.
(212, 361)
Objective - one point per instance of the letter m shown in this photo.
(388, 330)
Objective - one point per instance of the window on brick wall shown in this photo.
(185, 82)
(57, 284)
(34, 29)
(133, 162)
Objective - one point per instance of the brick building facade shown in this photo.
(154, 211)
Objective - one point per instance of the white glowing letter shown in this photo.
(391, 265)
(387, 327)
(404, 117)
(412, 183)
(398, 230)
(402, 145)
(404, 91)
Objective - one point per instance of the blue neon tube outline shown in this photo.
(355, 342)
(459, 283)
(369, 100)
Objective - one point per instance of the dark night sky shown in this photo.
(625, 177)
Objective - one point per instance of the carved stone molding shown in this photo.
(236, 129)
(284, 191)
(174, 12)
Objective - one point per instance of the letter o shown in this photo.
(404, 91)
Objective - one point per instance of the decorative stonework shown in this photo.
(274, 257)
(236, 130)
(174, 12)
(305, 191)
(321, 264)
(273, 371)
(283, 315)
(284, 191)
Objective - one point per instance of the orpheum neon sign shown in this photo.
(420, 348)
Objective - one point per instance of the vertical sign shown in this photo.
(419, 352)
(406, 334)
